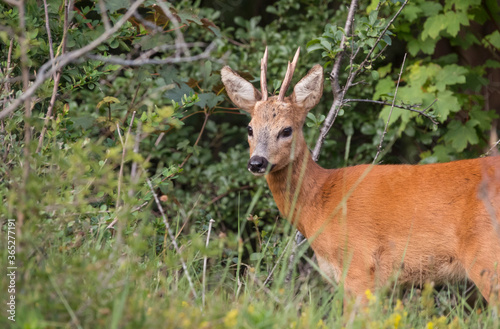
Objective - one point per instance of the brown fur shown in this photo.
(435, 222)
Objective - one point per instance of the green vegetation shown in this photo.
(145, 105)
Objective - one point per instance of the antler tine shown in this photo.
(263, 77)
(288, 76)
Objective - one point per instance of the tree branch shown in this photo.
(44, 72)
(390, 113)
(339, 96)
(403, 106)
(141, 61)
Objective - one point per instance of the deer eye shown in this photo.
(250, 131)
(287, 132)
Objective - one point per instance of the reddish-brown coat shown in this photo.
(434, 222)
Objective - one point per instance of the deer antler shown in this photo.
(288, 76)
(263, 78)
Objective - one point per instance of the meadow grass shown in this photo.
(100, 281)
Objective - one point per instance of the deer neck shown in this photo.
(295, 186)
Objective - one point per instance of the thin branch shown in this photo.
(337, 93)
(338, 61)
(49, 34)
(390, 113)
(361, 66)
(403, 106)
(57, 76)
(197, 141)
(492, 148)
(339, 96)
(104, 15)
(179, 41)
(172, 237)
(138, 62)
(45, 71)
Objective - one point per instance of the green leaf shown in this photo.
(209, 100)
(430, 8)
(313, 45)
(412, 11)
(459, 135)
(83, 122)
(450, 75)
(114, 5)
(446, 104)
(481, 118)
(325, 43)
(383, 87)
(433, 26)
(492, 39)
(453, 20)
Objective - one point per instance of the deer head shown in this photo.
(276, 120)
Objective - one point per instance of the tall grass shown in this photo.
(99, 281)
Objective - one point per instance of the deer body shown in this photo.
(435, 222)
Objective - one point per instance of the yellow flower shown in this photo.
(231, 318)
(396, 318)
(185, 304)
(321, 324)
(370, 296)
(251, 309)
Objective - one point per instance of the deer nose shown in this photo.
(257, 164)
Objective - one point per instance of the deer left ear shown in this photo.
(307, 92)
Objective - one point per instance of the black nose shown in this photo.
(257, 164)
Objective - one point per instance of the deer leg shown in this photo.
(484, 270)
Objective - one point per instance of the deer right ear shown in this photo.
(242, 93)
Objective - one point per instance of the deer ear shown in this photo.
(242, 93)
(307, 92)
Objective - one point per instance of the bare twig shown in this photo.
(197, 139)
(172, 237)
(49, 34)
(338, 95)
(57, 76)
(141, 61)
(390, 113)
(367, 58)
(492, 148)
(47, 69)
(337, 92)
(104, 15)
(402, 106)
(340, 56)
(205, 258)
(179, 41)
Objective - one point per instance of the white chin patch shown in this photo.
(258, 173)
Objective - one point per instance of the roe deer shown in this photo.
(438, 222)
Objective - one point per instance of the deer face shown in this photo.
(277, 121)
